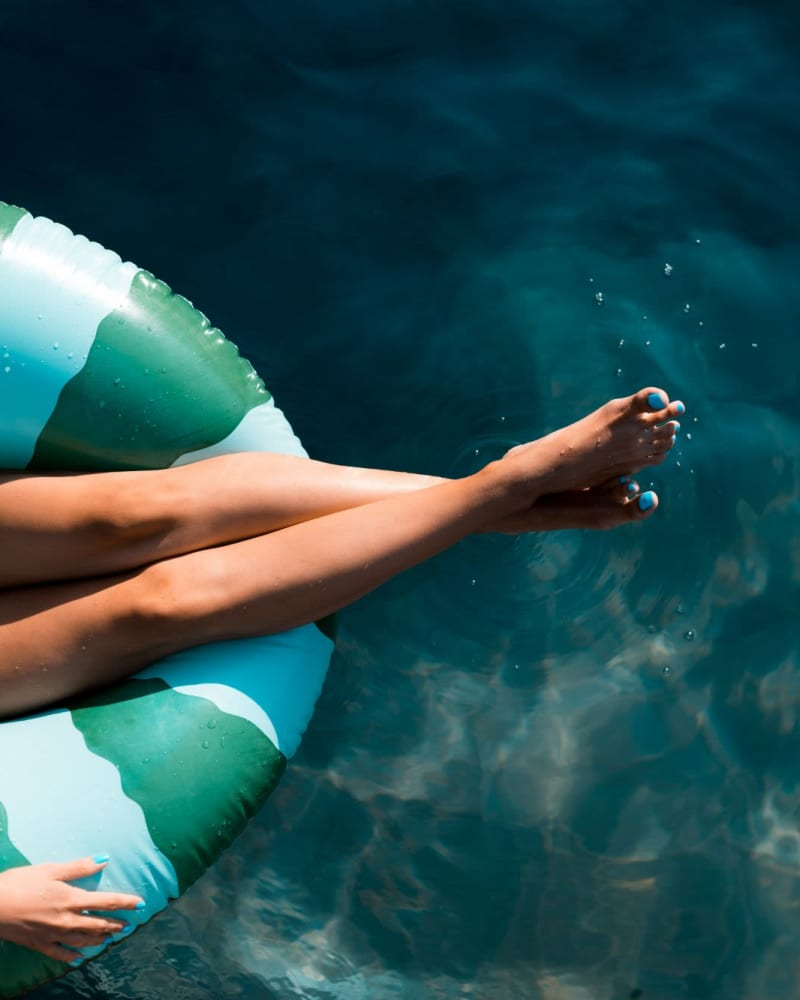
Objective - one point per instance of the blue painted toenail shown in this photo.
(646, 500)
(656, 401)
(680, 408)
(631, 488)
(675, 427)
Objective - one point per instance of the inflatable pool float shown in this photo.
(103, 367)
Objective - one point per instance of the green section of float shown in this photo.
(167, 745)
(156, 365)
(9, 217)
(19, 965)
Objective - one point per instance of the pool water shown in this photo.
(560, 767)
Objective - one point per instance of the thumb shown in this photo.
(69, 871)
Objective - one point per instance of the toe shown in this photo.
(620, 488)
(643, 506)
(652, 401)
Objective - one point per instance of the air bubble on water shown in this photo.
(668, 269)
(722, 347)
(55, 346)
(598, 298)
(647, 343)
(472, 583)
(652, 629)
(7, 369)
(621, 343)
(70, 356)
(754, 344)
(666, 671)
(117, 381)
(38, 315)
(163, 371)
(698, 242)
(644, 317)
(700, 323)
(591, 281)
(205, 744)
(680, 610)
(212, 724)
(502, 420)
(619, 371)
(688, 436)
(687, 308)
(688, 635)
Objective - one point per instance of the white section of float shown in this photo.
(263, 423)
(56, 288)
(285, 672)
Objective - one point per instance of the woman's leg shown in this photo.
(59, 526)
(59, 639)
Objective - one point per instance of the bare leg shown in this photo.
(62, 638)
(58, 527)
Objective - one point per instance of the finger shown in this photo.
(88, 939)
(70, 871)
(59, 953)
(105, 901)
(98, 926)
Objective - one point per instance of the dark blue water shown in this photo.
(557, 767)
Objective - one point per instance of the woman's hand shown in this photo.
(40, 910)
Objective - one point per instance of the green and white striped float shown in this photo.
(103, 367)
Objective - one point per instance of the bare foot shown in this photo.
(623, 434)
(597, 508)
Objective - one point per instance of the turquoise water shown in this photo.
(545, 768)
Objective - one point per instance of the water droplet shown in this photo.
(599, 298)
(666, 671)
(621, 343)
(55, 346)
(38, 315)
(473, 582)
(687, 308)
(644, 317)
(647, 343)
(668, 269)
(163, 371)
(619, 371)
(117, 381)
(688, 635)
(754, 345)
(7, 369)
(689, 436)
(212, 724)
(680, 610)
(722, 347)
(205, 744)
(698, 242)
(70, 355)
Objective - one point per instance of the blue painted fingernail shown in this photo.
(76, 962)
(108, 940)
(676, 427)
(140, 905)
(631, 488)
(680, 408)
(646, 500)
(656, 401)
(101, 859)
